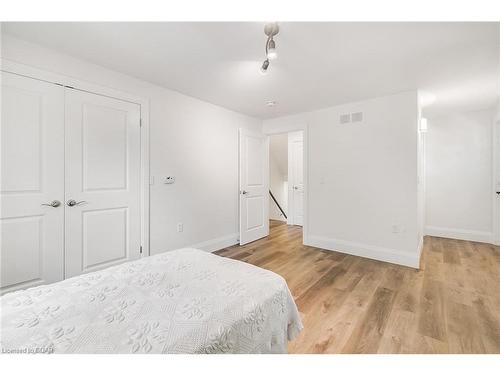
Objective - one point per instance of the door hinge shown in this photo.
(141, 249)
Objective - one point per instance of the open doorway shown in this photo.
(286, 185)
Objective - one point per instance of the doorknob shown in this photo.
(54, 203)
(296, 188)
(72, 202)
(244, 192)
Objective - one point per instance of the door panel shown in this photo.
(254, 186)
(296, 175)
(32, 142)
(255, 212)
(104, 148)
(103, 173)
(104, 229)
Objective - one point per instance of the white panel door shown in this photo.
(102, 176)
(254, 186)
(296, 176)
(32, 176)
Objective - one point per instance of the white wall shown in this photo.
(195, 141)
(362, 178)
(278, 183)
(459, 196)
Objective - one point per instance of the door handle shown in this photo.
(296, 188)
(72, 202)
(244, 192)
(54, 203)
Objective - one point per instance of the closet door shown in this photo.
(102, 176)
(32, 182)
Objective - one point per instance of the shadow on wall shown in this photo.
(278, 179)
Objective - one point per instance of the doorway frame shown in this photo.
(496, 178)
(290, 128)
(291, 198)
(78, 84)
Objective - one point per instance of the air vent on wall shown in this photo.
(344, 119)
(351, 117)
(357, 117)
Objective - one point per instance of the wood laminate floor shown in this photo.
(350, 304)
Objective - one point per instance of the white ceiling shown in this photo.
(319, 64)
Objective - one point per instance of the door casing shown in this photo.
(294, 127)
(496, 180)
(293, 184)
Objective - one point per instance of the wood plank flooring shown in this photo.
(350, 304)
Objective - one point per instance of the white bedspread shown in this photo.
(183, 301)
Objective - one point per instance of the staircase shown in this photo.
(277, 204)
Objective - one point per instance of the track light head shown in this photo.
(271, 50)
(265, 66)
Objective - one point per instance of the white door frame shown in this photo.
(291, 177)
(289, 128)
(59, 79)
(496, 180)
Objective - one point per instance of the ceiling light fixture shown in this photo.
(271, 30)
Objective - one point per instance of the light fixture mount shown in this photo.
(271, 29)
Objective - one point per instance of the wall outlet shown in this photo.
(180, 227)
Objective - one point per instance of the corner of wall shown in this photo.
(367, 251)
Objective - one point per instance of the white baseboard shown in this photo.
(278, 219)
(366, 251)
(217, 243)
(460, 234)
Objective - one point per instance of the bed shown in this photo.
(183, 301)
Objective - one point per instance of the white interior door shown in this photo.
(102, 177)
(296, 178)
(254, 186)
(32, 175)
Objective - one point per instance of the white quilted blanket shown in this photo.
(183, 301)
